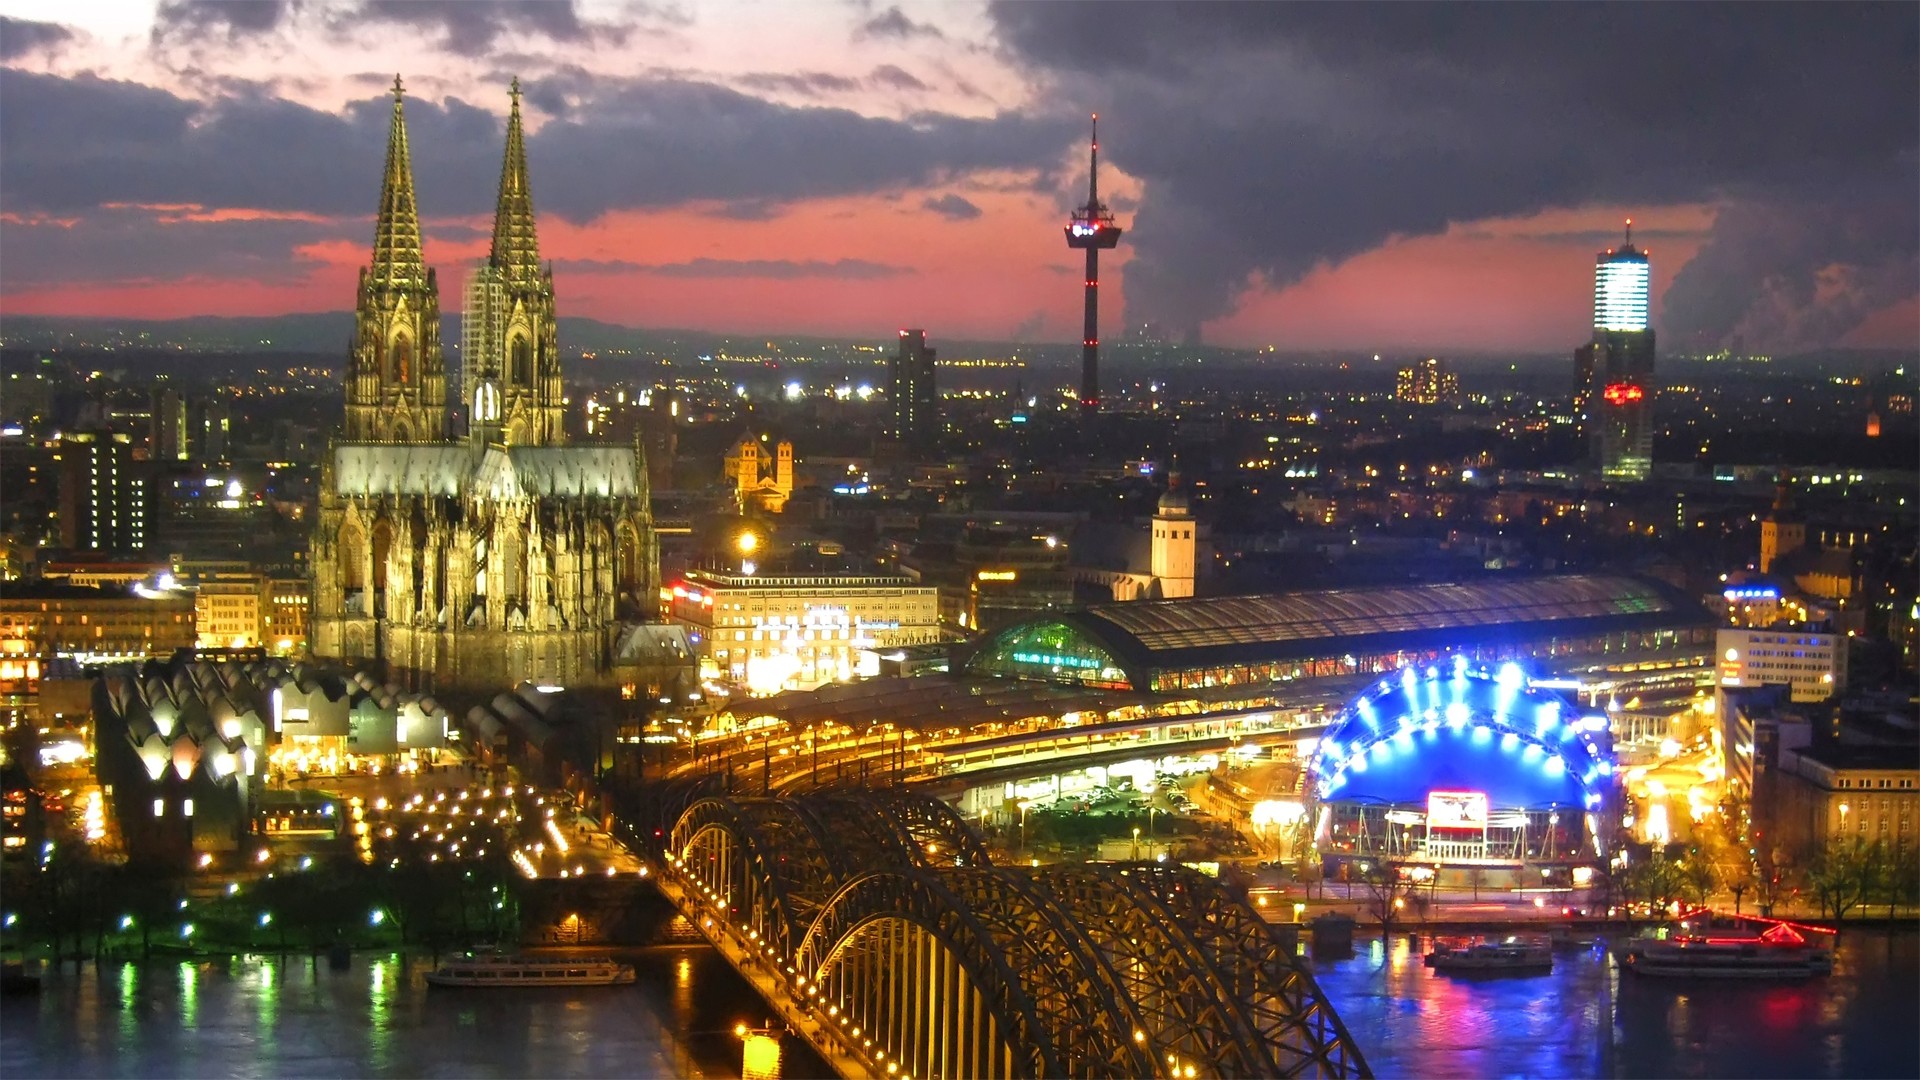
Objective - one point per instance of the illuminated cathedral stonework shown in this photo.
(481, 560)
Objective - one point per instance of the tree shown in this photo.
(1842, 872)
(1737, 874)
(1903, 876)
(1388, 889)
(1656, 879)
(150, 898)
(1697, 877)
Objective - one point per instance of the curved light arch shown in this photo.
(1402, 711)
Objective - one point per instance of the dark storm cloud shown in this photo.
(810, 83)
(130, 245)
(190, 19)
(893, 24)
(894, 77)
(955, 207)
(472, 27)
(773, 269)
(18, 37)
(666, 142)
(83, 142)
(1276, 138)
(821, 83)
(1795, 276)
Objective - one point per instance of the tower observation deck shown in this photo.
(1092, 228)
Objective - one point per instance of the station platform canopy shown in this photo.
(930, 703)
(1165, 646)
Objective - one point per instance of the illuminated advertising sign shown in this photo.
(1456, 810)
(1049, 660)
(1623, 393)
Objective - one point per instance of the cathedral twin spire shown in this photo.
(397, 260)
(397, 387)
(397, 257)
(516, 249)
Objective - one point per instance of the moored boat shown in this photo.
(1706, 946)
(1510, 957)
(492, 970)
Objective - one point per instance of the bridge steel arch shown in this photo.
(1281, 999)
(876, 924)
(1095, 1024)
(917, 829)
(905, 969)
(1191, 1012)
(750, 860)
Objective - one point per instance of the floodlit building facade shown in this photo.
(770, 633)
(505, 555)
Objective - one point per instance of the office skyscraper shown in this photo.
(1427, 383)
(1613, 395)
(910, 390)
(103, 495)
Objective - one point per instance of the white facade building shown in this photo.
(770, 633)
(1813, 664)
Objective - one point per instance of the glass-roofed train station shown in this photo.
(1596, 627)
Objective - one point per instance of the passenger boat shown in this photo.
(1508, 957)
(1728, 947)
(493, 970)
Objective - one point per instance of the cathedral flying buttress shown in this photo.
(472, 562)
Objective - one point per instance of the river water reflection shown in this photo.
(1587, 1020)
(255, 1016)
(259, 1016)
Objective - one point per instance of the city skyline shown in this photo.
(752, 184)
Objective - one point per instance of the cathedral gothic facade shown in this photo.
(472, 561)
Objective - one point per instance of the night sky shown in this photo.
(1307, 176)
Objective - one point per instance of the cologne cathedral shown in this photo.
(475, 561)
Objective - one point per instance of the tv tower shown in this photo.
(1091, 228)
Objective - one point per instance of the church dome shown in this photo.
(1173, 501)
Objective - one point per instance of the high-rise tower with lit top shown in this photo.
(1613, 392)
(1092, 228)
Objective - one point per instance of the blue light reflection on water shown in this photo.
(1862, 1021)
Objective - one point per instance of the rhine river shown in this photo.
(253, 1016)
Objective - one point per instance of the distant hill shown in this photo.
(316, 332)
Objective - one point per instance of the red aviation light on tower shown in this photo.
(1623, 394)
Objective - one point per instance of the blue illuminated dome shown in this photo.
(1456, 729)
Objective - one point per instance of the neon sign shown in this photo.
(1054, 661)
(1456, 810)
(1623, 393)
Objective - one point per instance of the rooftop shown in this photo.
(1191, 633)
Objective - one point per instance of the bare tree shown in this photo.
(1842, 873)
(1388, 889)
